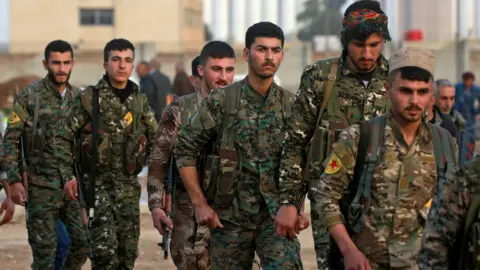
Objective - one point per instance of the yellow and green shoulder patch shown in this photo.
(333, 165)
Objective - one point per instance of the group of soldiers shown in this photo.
(359, 137)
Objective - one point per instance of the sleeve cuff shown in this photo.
(186, 162)
(333, 220)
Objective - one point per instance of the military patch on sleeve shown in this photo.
(14, 118)
(333, 165)
(128, 119)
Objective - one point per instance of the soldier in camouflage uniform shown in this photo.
(402, 180)
(357, 94)
(8, 207)
(37, 113)
(245, 122)
(126, 127)
(190, 245)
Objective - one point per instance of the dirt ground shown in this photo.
(15, 253)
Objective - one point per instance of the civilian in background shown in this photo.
(466, 94)
(156, 87)
(181, 83)
(142, 71)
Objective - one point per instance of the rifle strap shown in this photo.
(90, 192)
(36, 112)
(332, 77)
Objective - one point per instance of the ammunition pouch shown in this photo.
(34, 145)
(220, 178)
(318, 150)
(104, 151)
(134, 153)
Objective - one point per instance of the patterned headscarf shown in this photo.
(364, 20)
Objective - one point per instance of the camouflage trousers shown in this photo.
(115, 228)
(190, 244)
(44, 207)
(233, 247)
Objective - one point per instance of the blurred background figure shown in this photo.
(156, 86)
(466, 102)
(181, 83)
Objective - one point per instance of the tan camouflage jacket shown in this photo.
(403, 182)
(163, 145)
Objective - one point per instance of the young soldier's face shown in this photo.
(364, 54)
(120, 65)
(264, 56)
(445, 99)
(59, 66)
(217, 72)
(410, 99)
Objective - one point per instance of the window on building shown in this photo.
(96, 16)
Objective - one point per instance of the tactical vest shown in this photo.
(34, 133)
(221, 168)
(331, 120)
(355, 203)
(133, 138)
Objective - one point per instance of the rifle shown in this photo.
(81, 199)
(24, 172)
(169, 197)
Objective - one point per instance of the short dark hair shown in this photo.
(58, 45)
(217, 50)
(195, 64)
(263, 29)
(468, 75)
(411, 74)
(118, 44)
(369, 27)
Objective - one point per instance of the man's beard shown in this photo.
(51, 75)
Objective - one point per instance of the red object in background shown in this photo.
(414, 35)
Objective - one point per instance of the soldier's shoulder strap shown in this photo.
(233, 93)
(331, 68)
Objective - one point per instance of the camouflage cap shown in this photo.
(413, 57)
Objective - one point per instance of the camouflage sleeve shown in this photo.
(11, 141)
(150, 123)
(328, 190)
(299, 131)
(76, 118)
(447, 214)
(193, 137)
(161, 151)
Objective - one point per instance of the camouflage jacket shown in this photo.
(50, 116)
(115, 117)
(258, 129)
(353, 100)
(447, 218)
(403, 182)
(174, 115)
